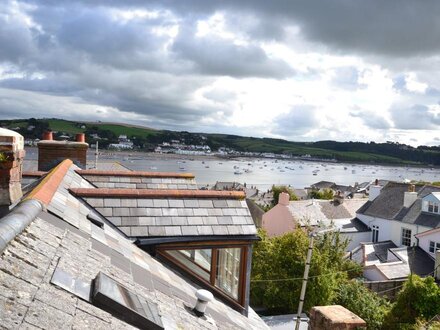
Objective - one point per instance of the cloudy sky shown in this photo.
(300, 70)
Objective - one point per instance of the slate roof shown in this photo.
(62, 240)
(412, 260)
(171, 215)
(389, 205)
(323, 185)
(324, 211)
(139, 180)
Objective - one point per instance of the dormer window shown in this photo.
(432, 207)
(220, 267)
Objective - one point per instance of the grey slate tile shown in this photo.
(125, 230)
(234, 203)
(147, 221)
(220, 230)
(132, 202)
(189, 231)
(145, 203)
(185, 212)
(139, 231)
(105, 211)
(210, 221)
(215, 212)
(95, 202)
(164, 221)
(156, 231)
(121, 212)
(173, 231)
(179, 221)
(191, 203)
(205, 203)
(234, 230)
(130, 221)
(175, 202)
(118, 260)
(142, 277)
(205, 230)
(225, 220)
(112, 202)
(136, 212)
(220, 203)
(170, 212)
(200, 212)
(160, 203)
(195, 220)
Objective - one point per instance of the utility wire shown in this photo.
(301, 278)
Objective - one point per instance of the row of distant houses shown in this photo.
(393, 233)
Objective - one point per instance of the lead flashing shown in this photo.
(17, 220)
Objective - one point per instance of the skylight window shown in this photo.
(128, 306)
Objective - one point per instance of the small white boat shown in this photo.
(238, 172)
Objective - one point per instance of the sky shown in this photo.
(345, 70)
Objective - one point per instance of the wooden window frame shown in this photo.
(238, 304)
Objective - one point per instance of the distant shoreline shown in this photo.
(109, 155)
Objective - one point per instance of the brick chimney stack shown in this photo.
(283, 198)
(51, 152)
(11, 167)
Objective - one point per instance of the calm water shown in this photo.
(264, 172)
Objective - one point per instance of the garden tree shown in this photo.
(278, 267)
(277, 190)
(419, 300)
(354, 296)
(325, 194)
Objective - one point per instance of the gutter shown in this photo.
(17, 220)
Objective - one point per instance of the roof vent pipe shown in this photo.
(203, 297)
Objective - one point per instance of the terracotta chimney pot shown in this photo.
(48, 135)
(80, 137)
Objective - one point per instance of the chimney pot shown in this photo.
(376, 182)
(48, 136)
(80, 137)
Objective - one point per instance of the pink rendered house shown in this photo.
(279, 219)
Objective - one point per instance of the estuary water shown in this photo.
(262, 173)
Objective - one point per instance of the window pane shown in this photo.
(198, 261)
(430, 207)
(435, 207)
(431, 246)
(228, 271)
(406, 237)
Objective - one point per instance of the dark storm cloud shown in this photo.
(216, 56)
(394, 27)
(416, 117)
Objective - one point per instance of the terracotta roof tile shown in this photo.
(136, 174)
(46, 189)
(159, 193)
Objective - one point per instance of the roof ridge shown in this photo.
(137, 173)
(46, 189)
(156, 193)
